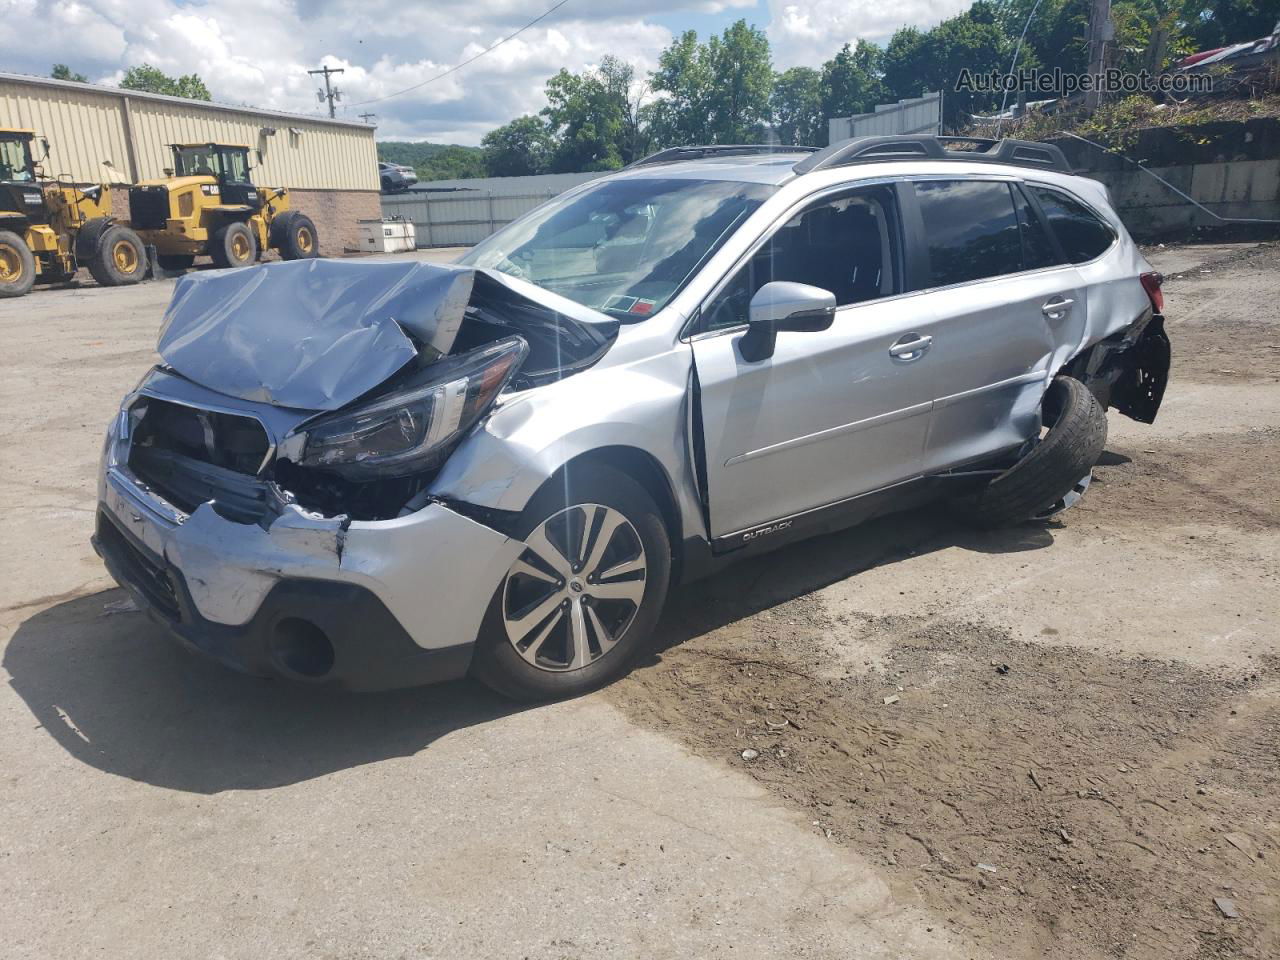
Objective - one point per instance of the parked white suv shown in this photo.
(379, 474)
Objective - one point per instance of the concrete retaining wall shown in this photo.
(1232, 168)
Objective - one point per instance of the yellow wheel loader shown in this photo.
(209, 205)
(48, 229)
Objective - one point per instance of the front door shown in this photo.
(830, 415)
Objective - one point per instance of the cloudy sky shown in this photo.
(258, 51)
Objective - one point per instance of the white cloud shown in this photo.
(258, 51)
(808, 32)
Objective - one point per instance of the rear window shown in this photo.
(1083, 236)
(971, 230)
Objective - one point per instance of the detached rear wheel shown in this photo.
(120, 260)
(579, 605)
(17, 265)
(233, 245)
(1054, 474)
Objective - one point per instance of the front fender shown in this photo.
(643, 406)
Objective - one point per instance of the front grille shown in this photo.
(186, 483)
(138, 568)
(191, 456)
(148, 207)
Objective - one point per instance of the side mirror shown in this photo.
(44, 143)
(784, 305)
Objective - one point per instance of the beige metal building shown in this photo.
(103, 134)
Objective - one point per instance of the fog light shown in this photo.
(302, 648)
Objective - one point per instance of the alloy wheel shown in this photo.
(571, 596)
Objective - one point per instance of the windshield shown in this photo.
(624, 247)
(15, 161)
(210, 161)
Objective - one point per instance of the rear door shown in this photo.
(1002, 302)
(830, 414)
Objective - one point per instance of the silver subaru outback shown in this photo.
(380, 474)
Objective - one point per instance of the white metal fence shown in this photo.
(914, 115)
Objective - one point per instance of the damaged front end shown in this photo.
(364, 375)
(281, 457)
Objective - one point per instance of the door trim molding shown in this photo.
(1032, 377)
(831, 432)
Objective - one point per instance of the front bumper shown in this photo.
(364, 605)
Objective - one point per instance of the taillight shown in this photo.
(1151, 283)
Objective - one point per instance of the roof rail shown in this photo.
(674, 154)
(1022, 153)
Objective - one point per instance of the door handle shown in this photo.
(1057, 308)
(911, 347)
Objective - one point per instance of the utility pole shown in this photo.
(368, 117)
(1099, 33)
(331, 94)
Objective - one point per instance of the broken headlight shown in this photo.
(413, 428)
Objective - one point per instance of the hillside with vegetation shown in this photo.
(434, 161)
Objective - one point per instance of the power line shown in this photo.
(454, 69)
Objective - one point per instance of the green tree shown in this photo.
(903, 61)
(1216, 23)
(852, 80)
(594, 118)
(934, 60)
(797, 107)
(742, 81)
(683, 80)
(151, 80)
(520, 148)
(61, 71)
(717, 92)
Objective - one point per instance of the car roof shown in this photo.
(769, 168)
(860, 158)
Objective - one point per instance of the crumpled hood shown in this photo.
(311, 334)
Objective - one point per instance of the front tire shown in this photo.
(17, 265)
(233, 245)
(579, 605)
(121, 259)
(295, 236)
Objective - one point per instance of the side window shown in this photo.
(1082, 235)
(848, 245)
(1037, 246)
(970, 228)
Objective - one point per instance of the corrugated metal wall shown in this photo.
(87, 125)
(913, 115)
(467, 216)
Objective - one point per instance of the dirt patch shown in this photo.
(1223, 321)
(1112, 800)
(1229, 351)
(1218, 479)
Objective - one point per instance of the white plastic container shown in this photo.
(388, 235)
